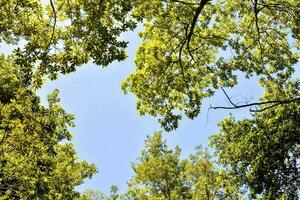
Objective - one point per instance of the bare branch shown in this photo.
(229, 99)
(272, 102)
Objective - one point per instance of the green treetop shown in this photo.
(161, 171)
(161, 174)
(208, 180)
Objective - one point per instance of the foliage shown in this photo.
(161, 169)
(59, 35)
(98, 195)
(209, 181)
(37, 161)
(189, 50)
(161, 174)
(114, 192)
(92, 195)
(264, 151)
(192, 48)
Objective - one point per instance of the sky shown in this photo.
(110, 133)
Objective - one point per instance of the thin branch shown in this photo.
(229, 99)
(273, 102)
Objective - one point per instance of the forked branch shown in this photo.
(270, 104)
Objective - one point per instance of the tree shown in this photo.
(114, 192)
(37, 160)
(59, 35)
(190, 49)
(161, 171)
(92, 195)
(264, 151)
(98, 195)
(161, 174)
(208, 180)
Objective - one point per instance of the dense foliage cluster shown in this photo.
(264, 151)
(37, 161)
(192, 48)
(60, 35)
(161, 174)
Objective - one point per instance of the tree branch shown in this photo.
(54, 24)
(194, 21)
(183, 2)
(273, 102)
(3, 137)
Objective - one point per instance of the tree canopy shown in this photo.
(160, 173)
(60, 35)
(264, 151)
(190, 49)
(37, 161)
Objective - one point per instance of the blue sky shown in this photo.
(110, 133)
